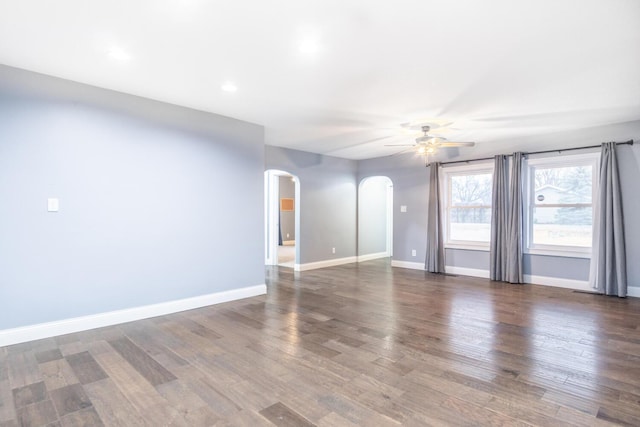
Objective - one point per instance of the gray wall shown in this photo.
(372, 215)
(327, 216)
(410, 186)
(287, 190)
(146, 212)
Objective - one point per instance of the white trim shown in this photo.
(567, 160)
(389, 230)
(407, 264)
(581, 285)
(369, 257)
(77, 324)
(463, 271)
(446, 174)
(271, 213)
(633, 291)
(325, 263)
(272, 218)
(543, 250)
(467, 247)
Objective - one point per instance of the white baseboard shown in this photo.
(633, 292)
(462, 271)
(448, 269)
(288, 243)
(77, 324)
(369, 257)
(325, 263)
(580, 285)
(407, 264)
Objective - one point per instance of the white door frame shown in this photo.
(271, 217)
(390, 218)
(271, 220)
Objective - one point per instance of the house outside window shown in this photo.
(559, 204)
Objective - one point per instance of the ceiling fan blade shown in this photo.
(400, 145)
(455, 144)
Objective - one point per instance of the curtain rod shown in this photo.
(629, 142)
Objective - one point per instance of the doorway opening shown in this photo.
(282, 218)
(375, 218)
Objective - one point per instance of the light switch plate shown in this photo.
(53, 205)
(403, 208)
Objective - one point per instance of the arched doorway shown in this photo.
(282, 218)
(375, 218)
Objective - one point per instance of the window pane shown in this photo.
(562, 226)
(562, 185)
(470, 224)
(470, 190)
(468, 210)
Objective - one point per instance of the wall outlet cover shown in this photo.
(53, 204)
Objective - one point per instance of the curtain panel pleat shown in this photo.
(434, 261)
(514, 229)
(608, 271)
(498, 247)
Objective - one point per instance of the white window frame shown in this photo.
(569, 160)
(446, 172)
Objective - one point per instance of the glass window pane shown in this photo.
(470, 224)
(562, 226)
(470, 190)
(562, 185)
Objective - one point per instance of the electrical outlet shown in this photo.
(403, 208)
(413, 252)
(333, 250)
(287, 235)
(53, 205)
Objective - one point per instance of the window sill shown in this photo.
(464, 247)
(558, 253)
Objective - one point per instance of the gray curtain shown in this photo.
(434, 261)
(498, 252)
(514, 228)
(608, 258)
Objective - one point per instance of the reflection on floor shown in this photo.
(353, 345)
(286, 256)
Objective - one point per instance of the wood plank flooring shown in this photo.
(360, 344)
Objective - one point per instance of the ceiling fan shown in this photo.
(428, 144)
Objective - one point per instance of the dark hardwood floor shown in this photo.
(351, 345)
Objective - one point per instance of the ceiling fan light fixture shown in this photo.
(426, 139)
(426, 144)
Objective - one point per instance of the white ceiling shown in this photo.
(339, 77)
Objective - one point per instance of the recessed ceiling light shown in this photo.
(309, 46)
(229, 87)
(119, 54)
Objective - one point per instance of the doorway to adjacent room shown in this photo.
(282, 218)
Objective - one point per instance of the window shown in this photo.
(559, 199)
(467, 202)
